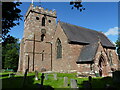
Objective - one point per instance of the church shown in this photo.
(63, 47)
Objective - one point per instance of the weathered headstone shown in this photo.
(87, 85)
(90, 78)
(116, 76)
(36, 75)
(24, 78)
(42, 78)
(73, 83)
(55, 76)
(46, 76)
(65, 81)
(9, 75)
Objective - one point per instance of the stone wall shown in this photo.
(38, 51)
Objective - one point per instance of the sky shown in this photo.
(99, 16)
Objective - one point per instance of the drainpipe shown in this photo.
(51, 53)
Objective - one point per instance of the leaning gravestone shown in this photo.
(36, 75)
(46, 76)
(65, 81)
(73, 83)
(55, 76)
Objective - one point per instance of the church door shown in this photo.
(102, 66)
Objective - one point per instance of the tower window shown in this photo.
(49, 21)
(43, 31)
(59, 49)
(42, 37)
(43, 21)
(37, 18)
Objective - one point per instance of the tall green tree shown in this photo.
(77, 4)
(10, 46)
(10, 53)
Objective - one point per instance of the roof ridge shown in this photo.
(80, 27)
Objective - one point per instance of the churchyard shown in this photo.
(54, 80)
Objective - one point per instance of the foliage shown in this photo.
(10, 16)
(77, 4)
(10, 53)
(118, 47)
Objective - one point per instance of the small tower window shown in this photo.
(110, 58)
(42, 37)
(37, 18)
(43, 31)
(49, 21)
(59, 49)
(43, 21)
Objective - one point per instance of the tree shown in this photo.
(10, 17)
(118, 47)
(10, 53)
(77, 4)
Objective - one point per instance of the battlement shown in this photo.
(41, 10)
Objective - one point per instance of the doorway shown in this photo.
(102, 66)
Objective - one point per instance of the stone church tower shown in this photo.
(35, 51)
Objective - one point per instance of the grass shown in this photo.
(17, 81)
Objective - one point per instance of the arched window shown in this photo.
(42, 37)
(43, 21)
(43, 31)
(110, 58)
(59, 49)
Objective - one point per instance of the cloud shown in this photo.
(112, 31)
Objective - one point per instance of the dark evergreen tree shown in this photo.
(10, 16)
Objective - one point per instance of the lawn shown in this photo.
(30, 82)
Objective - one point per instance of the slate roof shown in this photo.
(88, 53)
(86, 36)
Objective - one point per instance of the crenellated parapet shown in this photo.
(41, 10)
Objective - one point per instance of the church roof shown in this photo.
(88, 37)
(84, 35)
(88, 53)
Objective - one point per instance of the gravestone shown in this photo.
(10, 75)
(42, 79)
(73, 83)
(90, 78)
(116, 76)
(87, 85)
(24, 78)
(46, 76)
(65, 81)
(36, 75)
(55, 76)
